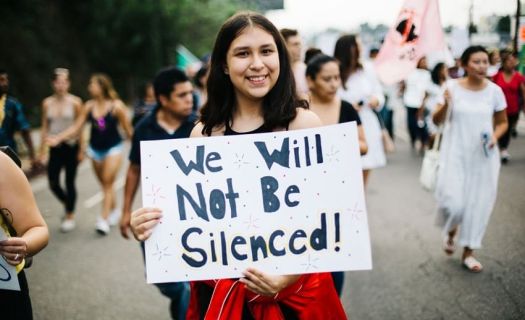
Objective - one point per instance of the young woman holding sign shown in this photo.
(251, 90)
(27, 234)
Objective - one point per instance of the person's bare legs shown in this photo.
(110, 167)
(366, 174)
(106, 172)
(449, 246)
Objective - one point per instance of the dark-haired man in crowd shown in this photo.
(171, 118)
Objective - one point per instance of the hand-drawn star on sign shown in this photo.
(355, 212)
(161, 252)
(332, 155)
(310, 263)
(239, 160)
(155, 193)
(251, 222)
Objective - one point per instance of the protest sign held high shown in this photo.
(417, 32)
(286, 202)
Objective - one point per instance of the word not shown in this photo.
(217, 202)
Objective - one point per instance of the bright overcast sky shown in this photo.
(310, 15)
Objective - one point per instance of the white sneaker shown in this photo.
(67, 225)
(102, 226)
(505, 156)
(114, 217)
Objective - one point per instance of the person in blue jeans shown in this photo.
(170, 119)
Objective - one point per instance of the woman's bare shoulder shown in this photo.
(199, 126)
(304, 119)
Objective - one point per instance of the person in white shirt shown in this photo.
(495, 63)
(439, 75)
(294, 45)
(361, 87)
(416, 88)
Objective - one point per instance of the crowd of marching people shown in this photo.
(257, 81)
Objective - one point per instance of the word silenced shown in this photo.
(222, 249)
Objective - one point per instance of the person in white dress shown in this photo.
(362, 89)
(469, 160)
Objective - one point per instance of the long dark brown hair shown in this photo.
(347, 52)
(279, 105)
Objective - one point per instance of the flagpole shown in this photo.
(471, 20)
(517, 26)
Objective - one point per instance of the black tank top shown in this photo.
(104, 131)
(229, 131)
(348, 113)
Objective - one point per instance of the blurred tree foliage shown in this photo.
(127, 39)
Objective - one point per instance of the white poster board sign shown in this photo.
(8, 275)
(286, 202)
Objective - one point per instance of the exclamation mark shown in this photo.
(337, 232)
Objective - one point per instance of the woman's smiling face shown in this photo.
(252, 63)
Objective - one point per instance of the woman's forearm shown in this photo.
(36, 239)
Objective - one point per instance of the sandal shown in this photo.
(449, 246)
(472, 264)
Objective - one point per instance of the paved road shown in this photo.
(83, 276)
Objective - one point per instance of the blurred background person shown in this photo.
(59, 112)
(322, 76)
(200, 80)
(310, 53)
(495, 62)
(106, 113)
(415, 93)
(512, 83)
(361, 87)
(144, 104)
(439, 77)
(294, 46)
(13, 119)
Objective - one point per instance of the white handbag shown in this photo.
(430, 166)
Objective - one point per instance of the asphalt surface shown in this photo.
(81, 275)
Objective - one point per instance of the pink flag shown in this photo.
(417, 32)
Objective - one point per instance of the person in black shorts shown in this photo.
(169, 119)
(106, 113)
